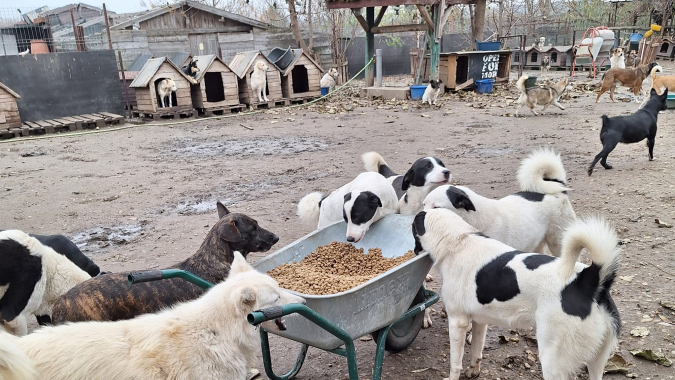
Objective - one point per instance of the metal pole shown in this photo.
(72, 19)
(107, 27)
(378, 67)
(124, 83)
(370, 45)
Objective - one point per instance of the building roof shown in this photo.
(546, 49)
(148, 70)
(71, 6)
(169, 8)
(9, 90)
(204, 62)
(242, 62)
(176, 57)
(297, 53)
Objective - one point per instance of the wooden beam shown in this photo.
(341, 4)
(426, 17)
(360, 19)
(399, 28)
(378, 19)
(182, 32)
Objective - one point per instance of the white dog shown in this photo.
(431, 92)
(360, 203)
(208, 338)
(488, 282)
(328, 79)
(165, 88)
(259, 81)
(33, 276)
(618, 59)
(528, 220)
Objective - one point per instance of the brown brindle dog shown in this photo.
(631, 78)
(111, 297)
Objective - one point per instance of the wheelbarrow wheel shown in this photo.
(402, 334)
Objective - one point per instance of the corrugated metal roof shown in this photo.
(242, 61)
(203, 63)
(146, 72)
(297, 53)
(176, 57)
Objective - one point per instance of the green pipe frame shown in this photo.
(185, 275)
(349, 351)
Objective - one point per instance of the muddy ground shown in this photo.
(145, 198)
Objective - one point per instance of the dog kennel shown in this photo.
(9, 111)
(667, 50)
(302, 77)
(216, 88)
(460, 70)
(242, 65)
(145, 86)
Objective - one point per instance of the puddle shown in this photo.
(98, 238)
(200, 148)
(490, 152)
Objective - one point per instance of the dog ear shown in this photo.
(374, 199)
(418, 224)
(247, 298)
(407, 178)
(228, 231)
(222, 210)
(459, 199)
(239, 264)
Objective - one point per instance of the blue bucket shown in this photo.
(324, 91)
(417, 92)
(488, 46)
(484, 86)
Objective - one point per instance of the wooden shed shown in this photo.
(242, 65)
(145, 85)
(667, 50)
(302, 78)
(9, 111)
(216, 89)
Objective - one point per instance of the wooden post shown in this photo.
(370, 46)
(107, 27)
(124, 83)
(72, 19)
(435, 45)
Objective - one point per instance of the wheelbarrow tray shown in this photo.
(367, 307)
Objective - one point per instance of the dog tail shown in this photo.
(14, 363)
(599, 238)
(656, 69)
(309, 208)
(521, 83)
(543, 172)
(373, 162)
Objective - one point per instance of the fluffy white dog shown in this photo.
(488, 282)
(165, 88)
(328, 79)
(208, 338)
(618, 59)
(259, 81)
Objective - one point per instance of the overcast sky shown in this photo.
(119, 6)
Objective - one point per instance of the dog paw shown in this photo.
(469, 338)
(608, 167)
(590, 171)
(427, 321)
(429, 278)
(652, 159)
(473, 371)
(444, 314)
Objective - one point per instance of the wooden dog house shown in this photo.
(145, 86)
(242, 65)
(216, 89)
(302, 78)
(667, 50)
(9, 111)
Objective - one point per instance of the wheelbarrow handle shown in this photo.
(145, 276)
(154, 275)
(260, 316)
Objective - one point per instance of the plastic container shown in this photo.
(39, 47)
(324, 91)
(417, 92)
(530, 82)
(281, 57)
(484, 86)
(670, 101)
(488, 46)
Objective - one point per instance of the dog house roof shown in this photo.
(9, 90)
(149, 69)
(204, 62)
(297, 53)
(242, 62)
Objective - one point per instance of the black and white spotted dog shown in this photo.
(32, 277)
(528, 220)
(423, 176)
(360, 203)
(486, 282)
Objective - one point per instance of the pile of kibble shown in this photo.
(334, 268)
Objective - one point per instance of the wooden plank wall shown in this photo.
(131, 43)
(145, 99)
(9, 111)
(230, 87)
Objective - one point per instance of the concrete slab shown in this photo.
(398, 93)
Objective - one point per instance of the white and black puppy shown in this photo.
(360, 203)
(431, 92)
(423, 176)
(488, 282)
(528, 220)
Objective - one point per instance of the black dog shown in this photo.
(630, 129)
(112, 298)
(191, 68)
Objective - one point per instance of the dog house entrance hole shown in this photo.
(160, 103)
(534, 57)
(462, 69)
(300, 79)
(213, 85)
(554, 57)
(664, 47)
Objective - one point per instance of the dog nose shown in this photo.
(350, 239)
(446, 173)
(275, 239)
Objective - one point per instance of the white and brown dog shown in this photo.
(329, 79)
(360, 203)
(618, 59)
(488, 282)
(259, 81)
(165, 88)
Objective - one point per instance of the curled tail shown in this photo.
(373, 162)
(521, 83)
(14, 363)
(309, 208)
(654, 70)
(543, 172)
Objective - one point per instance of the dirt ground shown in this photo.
(144, 198)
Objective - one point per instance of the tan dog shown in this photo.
(663, 82)
(631, 78)
(544, 96)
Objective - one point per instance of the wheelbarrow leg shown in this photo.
(379, 352)
(267, 359)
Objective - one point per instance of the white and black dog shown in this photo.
(488, 282)
(32, 277)
(423, 176)
(431, 92)
(360, 203)
(528, 220)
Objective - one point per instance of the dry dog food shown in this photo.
(334, 268)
